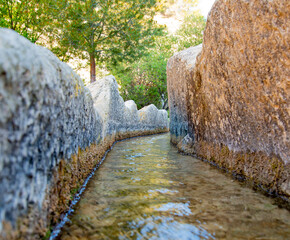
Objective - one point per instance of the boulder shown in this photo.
(131, 112)
(236, 96)
(122, 119)
(148, 115)
(162, 121)
(151, 118)
(179, 74)
(46, 114)
(108, 104)
(53, 132)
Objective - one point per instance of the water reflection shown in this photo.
(165, 228)
(178, 209)
(145, 190)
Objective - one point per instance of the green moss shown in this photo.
(47, 234)
(74, 191)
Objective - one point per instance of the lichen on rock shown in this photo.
(179, 73)
(236, 96)
(46, 115)
(53, 131)
(123, 118)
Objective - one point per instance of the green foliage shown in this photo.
(47, 234)
(27, 17)
(144, 81)
(120, 35)
(190, 32)
(103, 31)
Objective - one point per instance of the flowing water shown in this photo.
(146, 190)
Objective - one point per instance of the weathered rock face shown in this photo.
(238, 94)
(150, 117)
(108, 103)
(122, 119)
(52, 133)
(46, 115)
(179, 74)
(131, 112)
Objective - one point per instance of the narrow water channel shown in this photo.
(146, 190)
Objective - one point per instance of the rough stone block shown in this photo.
(179, 73)
(46, 114)
(53, 131)
(234, 101)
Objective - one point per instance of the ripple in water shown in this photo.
(169, 196)
(165, 228)
(179, 209)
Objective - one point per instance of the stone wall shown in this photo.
(122, 119)
(237, 94)
(179, 73)
(53, 131)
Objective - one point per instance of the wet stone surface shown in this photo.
(146, 190)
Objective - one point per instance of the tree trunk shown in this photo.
(92, 67)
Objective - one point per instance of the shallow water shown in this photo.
(146, 190)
